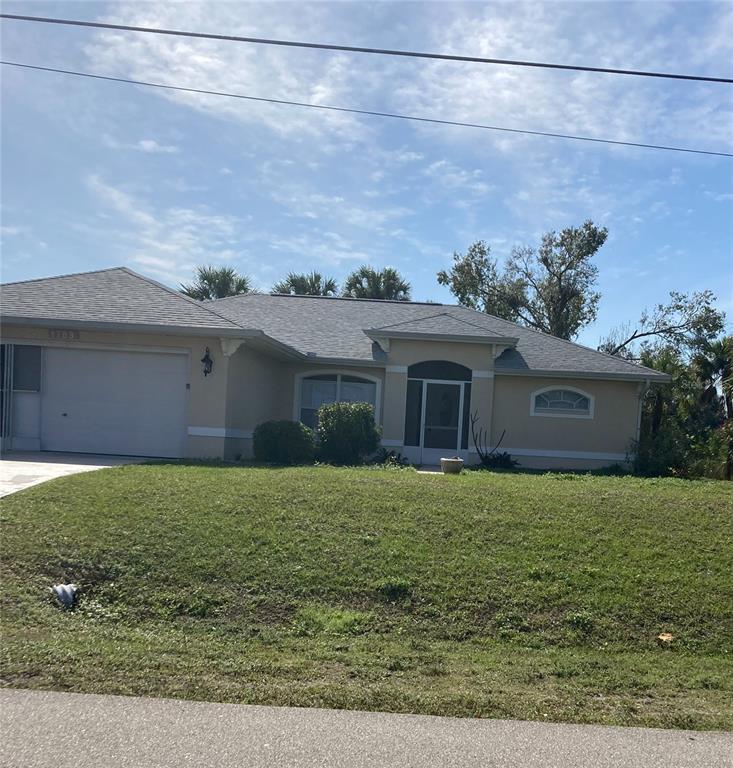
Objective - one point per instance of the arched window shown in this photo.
(439, 369)
(562, 401)
(320, 389)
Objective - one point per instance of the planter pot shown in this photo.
(451, 466)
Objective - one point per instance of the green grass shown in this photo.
(491, 595)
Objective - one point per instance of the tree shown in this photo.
(370, 283)
(687, 323)
(715, 368)
(313, 284)
(683, 425)
(216, 283)
(550, 289)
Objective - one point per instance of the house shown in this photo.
(113, 362)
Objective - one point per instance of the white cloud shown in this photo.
(259, 71)
(453, 177)
(151, 146)
(608, 106)
(168, 242)
(319, 207)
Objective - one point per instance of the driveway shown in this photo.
(22, 470)
(71, 730)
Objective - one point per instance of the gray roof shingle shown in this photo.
(335, 328)
(116, 295)
(441, 324)
(326, 328)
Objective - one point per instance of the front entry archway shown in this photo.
(437, 411)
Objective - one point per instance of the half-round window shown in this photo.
(319, 390)
(443, 370)
(562, 402)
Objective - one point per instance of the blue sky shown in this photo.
(97, 174)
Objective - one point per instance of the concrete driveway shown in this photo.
(22, 470)
(43, 729)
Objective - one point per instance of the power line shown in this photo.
(369, 112)
(359, 49)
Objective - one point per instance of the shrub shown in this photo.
(501, 460)
(347, 432)
(284, 442)
(390, 459)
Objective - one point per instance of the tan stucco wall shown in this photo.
(258, 389)
(207, 395)
(395, 399)
(611, 429)
(250, 387)
(407, 352)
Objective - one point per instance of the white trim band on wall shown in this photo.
(219, 432)
(396, 369)
(482, 374)
(594, 455)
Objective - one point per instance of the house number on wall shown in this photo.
(62, 334)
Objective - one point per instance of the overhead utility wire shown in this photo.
(360, 49)
(363, 111)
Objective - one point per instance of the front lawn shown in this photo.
(491, 595)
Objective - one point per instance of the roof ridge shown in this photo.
(69, 274)
(475, 325)
(178, 294)
(635, 366)
(413, 320)
(332, 298)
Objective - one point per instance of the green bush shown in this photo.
(284, 442)
(347, 432)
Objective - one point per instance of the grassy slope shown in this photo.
(481, 595)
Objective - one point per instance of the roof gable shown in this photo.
(441, 325)
(343, 329)
(109, 296)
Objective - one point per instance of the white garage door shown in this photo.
(99, 401)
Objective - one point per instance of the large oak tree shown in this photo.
(550, 288)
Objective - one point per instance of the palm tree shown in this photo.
(313, 284)
(369, 283)
(715, 367)
(216, 283)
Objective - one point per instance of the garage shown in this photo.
(100, 401)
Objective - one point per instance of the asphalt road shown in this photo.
(60, 730)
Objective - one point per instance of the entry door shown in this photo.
(441, 420)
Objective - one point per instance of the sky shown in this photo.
(98, 174)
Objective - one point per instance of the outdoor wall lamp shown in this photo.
(207, 363)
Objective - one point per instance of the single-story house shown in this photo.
(113, 362)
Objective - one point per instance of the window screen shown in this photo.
(561, 401)
(27, 369)
(331, 388)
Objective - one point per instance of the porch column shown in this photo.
(394, 399)
(482, 402)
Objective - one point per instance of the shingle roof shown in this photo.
(441, 324)
(335, 328)
(326, 328)
(116, 296)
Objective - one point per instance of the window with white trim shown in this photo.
(561, 402)
(322, 389)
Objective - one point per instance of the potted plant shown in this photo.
(451, 465)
